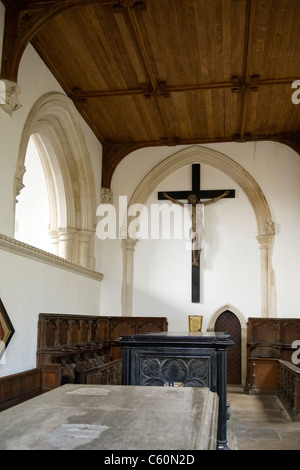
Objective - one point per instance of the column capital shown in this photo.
(67, 232)
(106, 196)
(129, 243)
(265, 241)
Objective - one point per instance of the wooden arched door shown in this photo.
(230, 323)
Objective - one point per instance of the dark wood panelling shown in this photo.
(289, 388)
(119, 326)
(268, 341)
(20, 387)
(230, 323)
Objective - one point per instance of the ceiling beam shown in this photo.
(24, 19)
(156, 87)
(236, 85)
(22, 22)
(113, 153)
(247, 56)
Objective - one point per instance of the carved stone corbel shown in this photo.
(106, 196)
(9, 92)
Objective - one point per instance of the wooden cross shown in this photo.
(183, 195)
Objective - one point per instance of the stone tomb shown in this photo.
(191, 359)
(108, 417)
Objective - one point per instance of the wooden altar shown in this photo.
(191, 359)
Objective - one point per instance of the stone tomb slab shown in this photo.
(113, 417)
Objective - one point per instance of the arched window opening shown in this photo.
(32, 215)
(65, 175)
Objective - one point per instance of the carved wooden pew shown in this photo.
(82, 349)
(71, 344)
(270, 368)
(268, 341)
(289, 388)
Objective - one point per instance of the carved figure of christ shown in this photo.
(197, 199)
(196, 209)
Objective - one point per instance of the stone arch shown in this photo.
(220, 161)
(60, 141)
(215, 159)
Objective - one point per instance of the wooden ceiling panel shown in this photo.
(124, 119)
(166, 72)
(196, 42)
(275, 38)
(92, 49)
(270, 111)
(204, 114)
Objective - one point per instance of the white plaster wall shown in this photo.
(230, 230)
(276, 169)
(230, 272)
(28, 287)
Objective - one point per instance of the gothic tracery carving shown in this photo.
(189, 372)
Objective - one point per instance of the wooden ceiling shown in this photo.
(167, 72)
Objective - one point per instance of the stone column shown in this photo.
(55, 240)
(128, 246)
(65, 243)
(84, 238)
(268, 292)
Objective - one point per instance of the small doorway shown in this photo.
(230, 323)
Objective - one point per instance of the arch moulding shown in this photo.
(60, 141)
(265, 225)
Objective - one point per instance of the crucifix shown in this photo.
(194, 197)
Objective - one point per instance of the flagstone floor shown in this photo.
(259, 422)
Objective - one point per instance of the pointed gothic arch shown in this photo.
(54, 124)
(223, 163)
